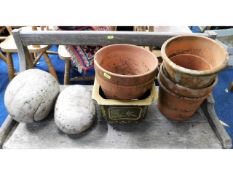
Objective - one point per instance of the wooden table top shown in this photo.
(155, 131)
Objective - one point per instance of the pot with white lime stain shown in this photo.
(125, 71)
(193, 61)
(181, 90)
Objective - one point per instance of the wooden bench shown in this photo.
(155, 131)
(204, 130)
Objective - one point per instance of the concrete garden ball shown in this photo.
(74, 110)
(30, 96)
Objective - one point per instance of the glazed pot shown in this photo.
(125, 71)
(193, 61)
(175, 107)
(181, 90)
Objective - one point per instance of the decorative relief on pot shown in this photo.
(125, 113)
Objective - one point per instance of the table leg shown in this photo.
(10, 66)
(67, 72)
(50, 66)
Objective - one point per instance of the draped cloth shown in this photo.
(83, 56)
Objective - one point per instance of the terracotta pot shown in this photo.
(193, 61)
(125, 71)
(175, 107)
(181, 90)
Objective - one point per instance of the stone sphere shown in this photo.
(30, 96)
(74, 110)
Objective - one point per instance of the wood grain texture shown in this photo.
(98, 37)
(10, 66)
(24, 38)
(24, 61)
(67, 72)
(50, 66)
(155, 131)
(5, 129)
(209, 111)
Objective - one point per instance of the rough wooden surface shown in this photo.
(155, 131)
(209, 112)
(98, 37)
(25, 38)
(5, 129)
(24, 61)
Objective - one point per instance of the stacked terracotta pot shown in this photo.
(188, 74)
(125, 71)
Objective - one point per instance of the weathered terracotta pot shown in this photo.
(125, 71)
(181, 90)
(175, 107)
(193, 61)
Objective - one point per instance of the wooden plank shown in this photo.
(24, 38)
(209, 111)
(155, 131)
(24, 61)
(98, 37)
(6, 127)
(147, 134)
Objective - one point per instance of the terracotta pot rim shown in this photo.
(189, 71)
(183, 87)
(181, 97)
(126, 76)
